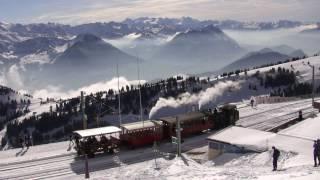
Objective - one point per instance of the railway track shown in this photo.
(296, 104)
(69, 165)
(272, 118)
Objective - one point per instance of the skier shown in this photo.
(276, 154)
(315, 152)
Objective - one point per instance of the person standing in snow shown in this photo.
(318, 150)
(21, 142)
(315, 152)
(252, 102)
(276, 154)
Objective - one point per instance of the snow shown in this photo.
(98, 131)
(8, 55)
(300, 65)
(36, 108)
(40, 58)
(306, 27)
(268, 116)
(295, 160)
(60, 49)
(132, 36)
(242, 136)
(295, 143)
(307, 129)
(36, 152)
(140, 125)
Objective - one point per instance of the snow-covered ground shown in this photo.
(58, 160)
(36, 108)
(268, 116)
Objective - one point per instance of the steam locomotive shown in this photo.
(138, 134)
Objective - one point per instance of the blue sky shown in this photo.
(82, 11)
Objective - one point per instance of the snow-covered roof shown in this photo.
(97, 131)
(140, 125)
(241, 136)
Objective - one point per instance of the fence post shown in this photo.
(87, 176)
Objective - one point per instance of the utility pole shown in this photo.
(98, 115)
(140, 100)
(178, 131)
(155, 151)
(119, 95)
(84, 118)
(86, 165)
(312, 85)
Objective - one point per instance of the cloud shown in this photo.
(56, 92)
(247, 10)
(3, 80)
(12, 77)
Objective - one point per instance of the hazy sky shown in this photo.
(81, 11)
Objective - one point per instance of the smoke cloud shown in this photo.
(56, 92)
(201, 99)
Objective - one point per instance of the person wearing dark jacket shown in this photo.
(318, 151)
(276, 154)
(315, 153)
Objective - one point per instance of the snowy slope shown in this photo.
(295, 144)
(295, 162)
(300, 65)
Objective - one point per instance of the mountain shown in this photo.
(169, 25)
(297, 53)
(313, 30)
(38, 44)
(283, 49)
(40, 47)
(108, 30)
(88, 49)
(288, 50)
(253, 59)
(200, 45)
(40, 30)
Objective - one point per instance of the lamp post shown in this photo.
(312, 66)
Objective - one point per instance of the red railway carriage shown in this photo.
(191, 123)
(138, 134)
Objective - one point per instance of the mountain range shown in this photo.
(263, 57)
(47, 51)
(199, 46)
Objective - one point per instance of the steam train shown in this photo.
(138, 134)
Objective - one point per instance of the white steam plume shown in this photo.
(202, 98)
